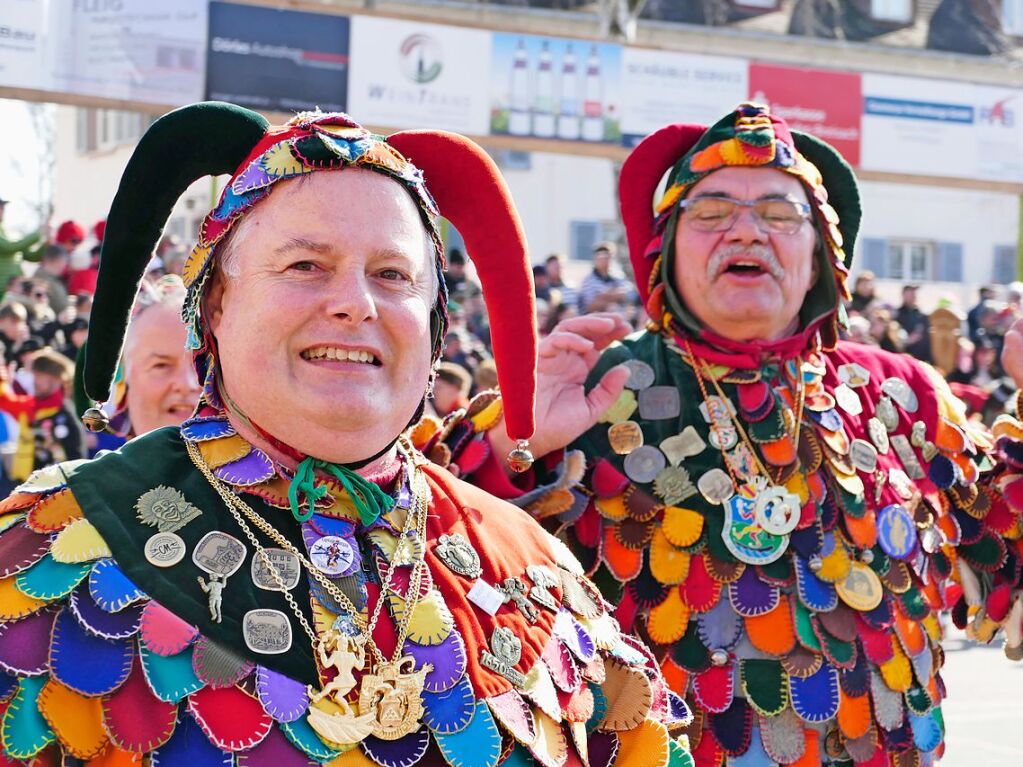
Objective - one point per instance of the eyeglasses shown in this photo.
(719, 214)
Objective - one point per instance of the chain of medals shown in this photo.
(777, 510)
(390, 696)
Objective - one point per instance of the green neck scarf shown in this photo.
(370, 501)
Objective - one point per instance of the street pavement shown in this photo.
(984, 709)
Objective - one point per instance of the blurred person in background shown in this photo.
(602, 291)
(863, 292)
(14, 329)
(915, 323)
(53, 269)
(884, 331)
(454, 276)
(541, 286)
(450, 388)
(567, 294)
(858, 330)
(558, 312)
(485, 377)
(984, 295)
(83, 271)
(14, 251)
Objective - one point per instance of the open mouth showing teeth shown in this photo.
(340, 355)
(744, 267)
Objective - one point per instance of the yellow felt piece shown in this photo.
(13, 603)
(667, 622)
(682, 526)
(194, 263)
(115, 757)
(668, 564)
(1007, 426)
(539, 688)
(342, 506)
(581, 739)
(835, 567)
(851, 483)
(279, 161)
(217, 452)
(9, 520)
(431, 621)
(604, 630)
(550, 746)
(797, 484)
(622, 409)
(77, 721)
(897, 673)
(488, 417)
(612, 508)
(79, 542)
(353, 758)
(773, 632)
(646, 744)
(933, 627)
(323, 618)
(853, 715)
(54, 512)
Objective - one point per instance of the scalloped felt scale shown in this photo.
(699, 590)
(170, 677)
(478, 745)
(163, 632)
(682, 527)
(540, 689)
(450, 711)
(110, 660)
(403, 752)
(815, 699)
(18, 501)
(232, 719)
(624, 563)
(302, 736)
(111, 588)
(719, 627)
(515, 715)
(765, 685)
(750, 596)
(854, 715)
(889, 709)
(275, 750)
(926, 731)
(189, 746)
(732, 726)
(575, 636)
(856, 681)
(15, 605)
(202, 429)
(814, 593)
(667, 622)
(253, 468)
(21, 548)
(755, 755)
(77, 721)
(79, 542)
(135, 718)
(48, 579)
(25, 644)
(218, 666)
(783, 737)
(447, 658)
(95, 620)
(714, 688)
(773, 632)
(668, 563)
(897, 672)
(550, 749)
(24, 731)
(281, 697)
(606, 481)
(603, 748)
(217, 452)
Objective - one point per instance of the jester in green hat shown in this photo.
(779, 514)
(284, 579)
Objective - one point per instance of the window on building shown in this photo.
(911, 261)
(101, 129)
(1005, 268)
(1012, 17)
(766, 5)
(900, 11)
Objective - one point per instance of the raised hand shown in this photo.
(1012, 353)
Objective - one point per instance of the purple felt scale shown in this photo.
(21, 548)
(324, 525)
(603, 748)
(202, 429)
(575, 637)
(447, 658)
(282, 697)
(815, 699)
(253, 468)
(25, 644)
(678, 710)
(806, 542)
(750, 596)
(189, 746)
(719, 626)
(111, 588)
(403, 752)
(814, 593)
(732, 727)
(95, 620)
(856, 681)
(450, 711)
(253, 177)
(109, 660)
(276, 750)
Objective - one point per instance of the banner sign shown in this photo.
(553, 88)
(278, 61)
(406, 74)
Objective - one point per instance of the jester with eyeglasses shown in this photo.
(782, 516)
(284, 579)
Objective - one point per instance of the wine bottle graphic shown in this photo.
(568, 103)
(518, 106)
(593, 103)
(543, 100)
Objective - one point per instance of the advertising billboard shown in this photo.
(22, 56)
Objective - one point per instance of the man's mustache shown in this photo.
(763, 254)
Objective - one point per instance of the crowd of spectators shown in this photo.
(48, 280)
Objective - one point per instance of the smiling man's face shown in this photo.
(746, 282)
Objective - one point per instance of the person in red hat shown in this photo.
(284, 578)
(780, 515)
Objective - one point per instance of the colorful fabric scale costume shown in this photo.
(187, 600)
(783, 522)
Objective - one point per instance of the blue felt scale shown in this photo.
(815, 699)
(815, 594)
(202, 429)
(450, 711)
(189, 746)
(110, 587)
(171, 677)
(49, 579)
(403, 752)
(478, 745)
(109, 660)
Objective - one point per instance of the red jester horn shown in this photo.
(641, 173)
(472, 195)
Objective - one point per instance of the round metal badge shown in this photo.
(878, 435)
(288, 568)
(642, 375)
(777, 511)
(896, 531)
(644, 463)
(863, 455)
(267, 632)
(716, 486)
(625, 437)
(861, 589)
(848, 399)
(332, 554)
(164, 549)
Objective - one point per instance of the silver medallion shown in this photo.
(723, 436)
(283, 561)
(714, 408)
(901, 483)
(863, 455)
(673, 485)
(900, 443)
(684, 445)
(899, 391)
(505, 651)
(267, 632)
(848, 400)
(777, 511)
(659, 402)
(887, 413)
(641, 375)
(486, 597)
(878, 435)
(515, 590)
(928, 450)
(543, 581)
(332, 554)
(165, 508)
(716, 486)
(219, 554)
(644, 463)
(854, 375)
(164, 549)
(458, 555)
(918, 434)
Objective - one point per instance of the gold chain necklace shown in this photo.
(390, 694)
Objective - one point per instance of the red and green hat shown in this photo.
(451, 177)
(749, 136)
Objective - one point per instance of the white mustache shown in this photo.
(762, 253)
